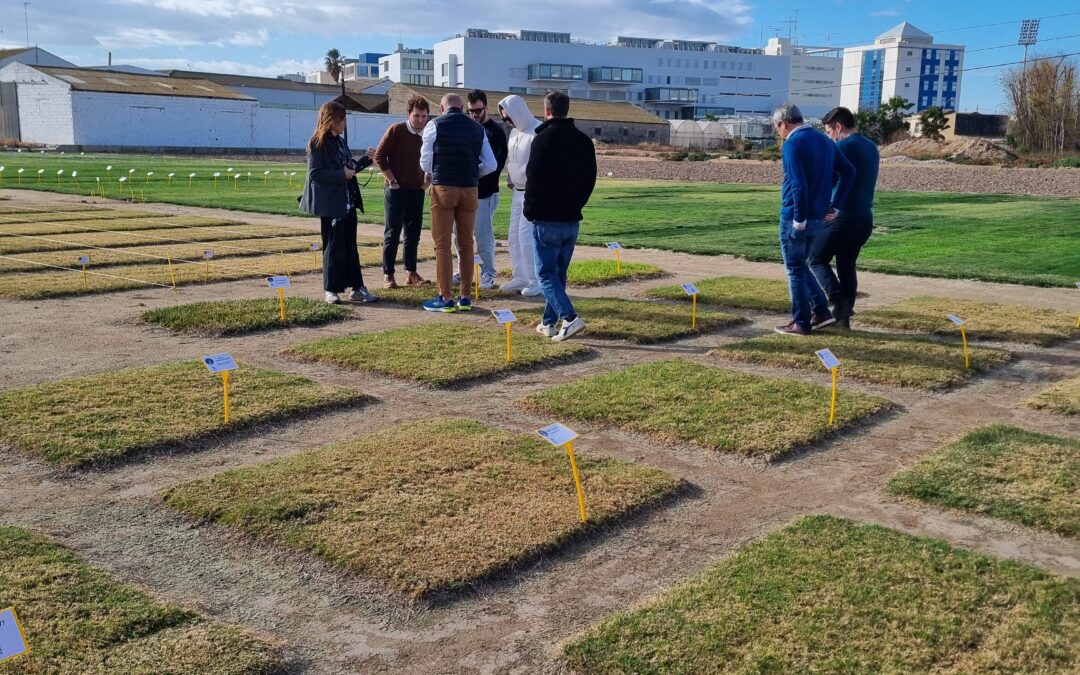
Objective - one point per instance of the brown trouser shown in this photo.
(450, 205)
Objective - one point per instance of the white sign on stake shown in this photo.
(690, 289)
(281, 281)
(955, 319)
(557, 434)
(315, 246)
(476, 259)
(219, 363)
(504, 315)
(12, 640)
(614, 245)
(208, 253)
(84, 260)
(828, 359)
(1077, 283)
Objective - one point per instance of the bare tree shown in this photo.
(1045, 97)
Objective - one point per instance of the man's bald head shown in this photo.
(450, 101)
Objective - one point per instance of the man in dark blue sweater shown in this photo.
(847, 230)
(812, 166)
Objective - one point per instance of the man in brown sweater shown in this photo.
(398, 157)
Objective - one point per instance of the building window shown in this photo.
(519, 90)
(907, 85)
(554, 71)
(445, 68)
(651, 135)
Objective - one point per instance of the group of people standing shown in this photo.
(456, 158)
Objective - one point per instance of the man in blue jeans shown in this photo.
(560, 178)
(812, 167)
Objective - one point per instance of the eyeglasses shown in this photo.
(477, 111)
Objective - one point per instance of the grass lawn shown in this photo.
(638, 321)
(745, 292)
(120, 413)
(117, 221)
(14, 245)
(1019, 239)
(872, 357)
(831, 595)
(682, 401)
(1063, 397)
(440, 354)
(584, 273)
(79, 619)
(236, 317)
(1003, 472)
(428, 507)
(984, 320)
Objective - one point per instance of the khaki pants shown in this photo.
(449, 206)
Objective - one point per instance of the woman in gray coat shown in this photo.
(332, 193)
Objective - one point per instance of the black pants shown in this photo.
(341, 260)
(843, 238)
(404, 210)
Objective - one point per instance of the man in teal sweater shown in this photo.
(812, 167)
(848, 230)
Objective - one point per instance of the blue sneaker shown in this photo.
(437, 304)
(464, 304)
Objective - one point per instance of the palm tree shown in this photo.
(333, 62)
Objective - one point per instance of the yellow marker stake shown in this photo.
(693, 312)
(225, 386)
(476, 285)
(618, 262)
(285, 263)
(832, 406)
(315, 260)
(207, 274)
(281, 302)
(507, 324)
(85, 282)
(577, 480)
(172, 275)
(963, 336)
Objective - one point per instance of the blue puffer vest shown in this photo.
(456, 158)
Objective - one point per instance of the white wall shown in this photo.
(44, 105)
(143, 120)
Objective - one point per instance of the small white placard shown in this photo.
(12, 641)
(504, 315)
(614, 245)
(828, 359)
(955, 319)
(557, 434)
(315, 246)
(476, 260)
(1078, 284)
(208, 253)
(690, 289)
(219, 363)
(278, 282)
(84, 260)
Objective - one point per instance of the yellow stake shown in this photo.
(85, 282)
(172, 275)
(832, 407)
(963, 336)
(577, 480)
(315, 260)
(1078, 322)
(618, 262)
(225, 384)
(207, 270)
(285, 263)
(476, 284)
(693, 312)
(281, 302)
(507, 341)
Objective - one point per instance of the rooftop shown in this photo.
(85, 79)
(231, 80)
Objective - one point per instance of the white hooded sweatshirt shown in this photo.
(521, 137)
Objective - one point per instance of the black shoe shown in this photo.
(845, 324)
(821, 320)
(791, 329)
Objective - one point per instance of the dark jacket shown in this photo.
(812, 166)
(489, 184)
(561, 172)
(458, 143)
(326, 192)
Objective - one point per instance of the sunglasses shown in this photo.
(477, 111)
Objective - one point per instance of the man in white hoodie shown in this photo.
(516, 113)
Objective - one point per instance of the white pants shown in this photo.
(522, 245)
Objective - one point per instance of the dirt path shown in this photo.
(336, 623)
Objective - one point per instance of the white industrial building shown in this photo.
(674, 79)
(903, 61)
(408, 66)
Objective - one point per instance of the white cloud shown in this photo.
(885, 12)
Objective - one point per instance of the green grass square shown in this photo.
(984, 320)
(720, 410)
(236, 317)
(604, 272)
(427, 507)
(638, 321)
(78, 619)
(827, 595)
(1062, 398)
(745, 292)
(871, 357)
(440, 354)
(121, 413)
(1004, 472)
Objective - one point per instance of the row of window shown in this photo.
(610, 74)
(554, 71)
(704, 64)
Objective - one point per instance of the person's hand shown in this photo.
(509, 183)
(831, 215)
(349, 173)
(393, 184)
(370, 152)
(798, 226)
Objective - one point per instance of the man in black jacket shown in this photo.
(560, 175)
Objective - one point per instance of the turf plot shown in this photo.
(585, 273)
(744, 292)
(639, 321)
(1062, 398)
(831, 595)
(237, 317)
(428, 507)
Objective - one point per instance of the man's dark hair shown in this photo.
(417, 102)
(477, 95)
(841, 116)
(558, 103)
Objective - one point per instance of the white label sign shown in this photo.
(219, 363)
(12, 640)
(278, 282)
(690, 289)
(955, 319)
(504, 315)
(614, 245)
(208, 253)
(315, 246)
(476, 260)
(1078, 284)
(557, 434)
(828, 359)
(84, 260)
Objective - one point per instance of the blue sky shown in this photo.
(269, 37)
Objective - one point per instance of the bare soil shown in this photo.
(337, 623)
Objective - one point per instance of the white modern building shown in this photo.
(903, 61)
(408, 66)
(674, 79)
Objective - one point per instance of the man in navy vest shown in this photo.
(454, 155)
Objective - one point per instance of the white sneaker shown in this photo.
(487, 282)
(332, 298)
(532, 291)
(546, 330)
(456, 278)
(568, 329)
(513, 285)
(362, 294)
